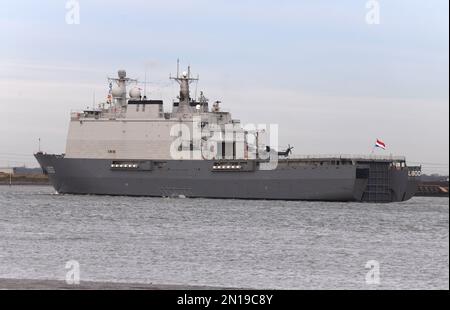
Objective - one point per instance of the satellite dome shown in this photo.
(117, 91)
(135, 93)
(184, 73)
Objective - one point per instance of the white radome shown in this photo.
(117, 91)
(135, 93)
(184, 73)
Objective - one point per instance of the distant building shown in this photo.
(21, 170)
(28, 171)
(434, 178)
(7, 170)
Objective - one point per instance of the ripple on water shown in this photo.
(240, 243)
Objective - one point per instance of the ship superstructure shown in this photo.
(130, 146)
(135, 127)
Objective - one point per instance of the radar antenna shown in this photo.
(184, 80)
(120, 91)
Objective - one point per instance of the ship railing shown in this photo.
(81, 114)
(349, 156)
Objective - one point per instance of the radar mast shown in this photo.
(119, 92)
(184, 80)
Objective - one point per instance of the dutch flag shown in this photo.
(380, 144)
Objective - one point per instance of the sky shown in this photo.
(331, 81)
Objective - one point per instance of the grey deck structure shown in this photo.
(296, 179)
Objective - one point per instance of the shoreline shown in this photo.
(36, 284)
(418, 194)
(24, 184)
(24, 179)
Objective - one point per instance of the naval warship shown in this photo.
(129, 145)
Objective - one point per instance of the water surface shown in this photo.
(230, 243)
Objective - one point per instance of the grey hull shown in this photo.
(197, 178)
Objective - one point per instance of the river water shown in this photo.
(229, 243)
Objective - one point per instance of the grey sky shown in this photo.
(331, 81)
